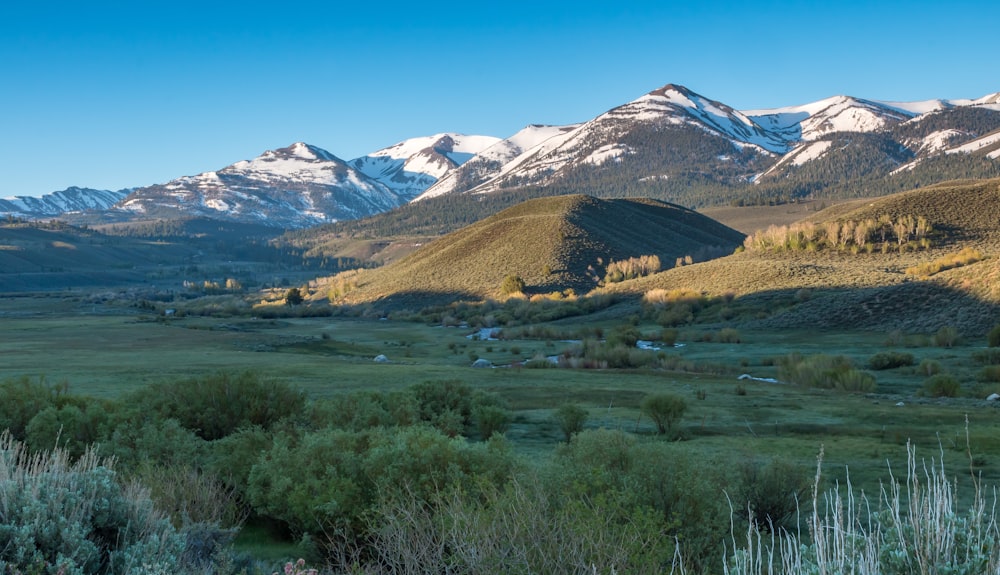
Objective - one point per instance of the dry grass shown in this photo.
(915, 526)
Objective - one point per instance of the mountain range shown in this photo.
(670, 144)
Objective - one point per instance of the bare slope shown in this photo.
(555, 243)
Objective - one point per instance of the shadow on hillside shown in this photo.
(416, 300)
(912, 307)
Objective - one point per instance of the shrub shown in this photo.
(941, 385)
(331, 479)
(929, 367)
(491, 419)
(23, 398)
(191, 496)
(293, 296)
(449, 404)
(665, 409)
(916, 526)
(71, 427)
(363, 410)
(989, 356)
(993, 338)
(522, 527)
(947, 336)
(889, 360)
(624, 335)
(824, 371)
(768, 494)
(571, 418)
(728, 335)
(512, 284)
(989, 374)
(58, 516)
(216, 405)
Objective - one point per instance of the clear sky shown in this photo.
(119, 94)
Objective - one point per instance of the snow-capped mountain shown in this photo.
(664, 123)
(837, 114)
(488, 163)
(71, 199)
(412, 166)
(296, 186)
(670, 143)
(672, 140)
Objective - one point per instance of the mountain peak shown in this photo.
(302, 151)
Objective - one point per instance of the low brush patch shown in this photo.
(963, 258)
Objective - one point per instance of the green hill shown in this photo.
(553, 244)
(819, 286)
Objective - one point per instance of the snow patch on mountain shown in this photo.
(411, 166)
(71, 199)
(297, 186)
(494, 160)
(937, 141)
(978, 144)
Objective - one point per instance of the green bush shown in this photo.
(941, 385)
(60, 516)
(449, 405)
(728, 335)
(363, 410)
(929, 367)
(665, 409)
(989, 374)
(570, 417)
(681, 490)
(512, 284)
(23, 399)
(993, 338)
(889, 360)
(989, 356)
(491, 419)
(160, 441)
(768, 494)
(330, 479)
(525, 526)
(216, 405)
(71, 427)
(947, 336)
(824, 371)
(623, 335)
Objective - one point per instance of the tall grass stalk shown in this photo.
(916, 528)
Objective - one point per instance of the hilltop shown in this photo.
(553, 244)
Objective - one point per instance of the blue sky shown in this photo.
(112, 95)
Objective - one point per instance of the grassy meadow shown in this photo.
(106, 350)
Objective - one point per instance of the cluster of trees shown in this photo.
(213, 287)
(852, 235)
(621, 270)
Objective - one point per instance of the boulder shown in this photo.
(381, 359)
(482, 363)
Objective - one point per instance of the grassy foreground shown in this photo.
(744, 430)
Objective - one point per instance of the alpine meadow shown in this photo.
(675, 338)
